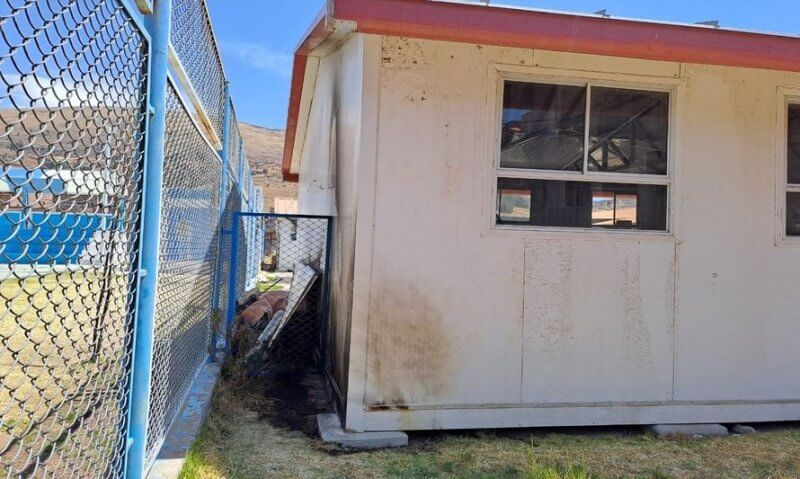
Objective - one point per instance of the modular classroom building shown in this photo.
(548, 219)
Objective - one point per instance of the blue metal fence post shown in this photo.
(234, 258)
(218, 279)
(138, 414)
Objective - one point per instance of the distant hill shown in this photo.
(264, 147)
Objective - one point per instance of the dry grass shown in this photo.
(238, 443)
(59, 371)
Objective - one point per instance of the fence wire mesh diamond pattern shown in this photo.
(236, 153)
(232, 204)
(190, 221)
(193, 40)
(72, 117)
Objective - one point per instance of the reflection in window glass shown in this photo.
(614, 210)
(628, 131)
(543, 126)
(514, 205)
(793, 214)
(794, 144)
(586, 205)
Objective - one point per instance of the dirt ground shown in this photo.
(265, 428)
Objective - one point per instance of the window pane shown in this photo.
(793, 214)
(628, 131)
(614, 210)
(584, 205)
(514, 204)
(794, 144)
(543, 126)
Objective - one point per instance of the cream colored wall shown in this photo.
(466, 326)
(328, 170)
(737, 304)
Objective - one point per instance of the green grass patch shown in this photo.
(273, 282)
(238, 443)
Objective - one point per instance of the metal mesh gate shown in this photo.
(287, 306)
(72, 118)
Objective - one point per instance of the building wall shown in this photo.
(330, 159)
(468, 326)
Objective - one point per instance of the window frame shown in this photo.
(588, 81)
(786, 98)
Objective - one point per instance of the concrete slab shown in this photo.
(331, 431)
(702, 430)
(184, 431)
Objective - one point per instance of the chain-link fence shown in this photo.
(72, 114)
(280, 322)
(189, 227)
(255, 243)
(193, 41)
(76, 203)
(236, 151)
(232, 205)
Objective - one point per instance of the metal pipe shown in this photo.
(218, 279)
(158, 26)
(231, 309)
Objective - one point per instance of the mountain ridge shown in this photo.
(264, 149)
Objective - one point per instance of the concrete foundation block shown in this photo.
(692, 430)
(331, 431)
(743, 430)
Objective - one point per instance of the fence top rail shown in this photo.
(176, 85)
(181, 76)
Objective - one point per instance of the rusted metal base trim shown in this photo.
(419, 419)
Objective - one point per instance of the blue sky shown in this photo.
(258, 37)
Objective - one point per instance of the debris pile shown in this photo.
(279, 328)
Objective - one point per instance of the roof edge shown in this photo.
(542, 30)
(319, 32)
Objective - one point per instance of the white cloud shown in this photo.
(260, 57)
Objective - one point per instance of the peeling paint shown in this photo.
(548, 268)
(638, 348)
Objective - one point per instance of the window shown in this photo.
(793, 172)
(582, 204)
(585, 157)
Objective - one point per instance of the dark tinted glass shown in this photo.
(793, 214)
(794, 144)
(582, 205)
(628, 131)
(543, 126)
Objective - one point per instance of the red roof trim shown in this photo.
(558, 32)
(318, 33)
